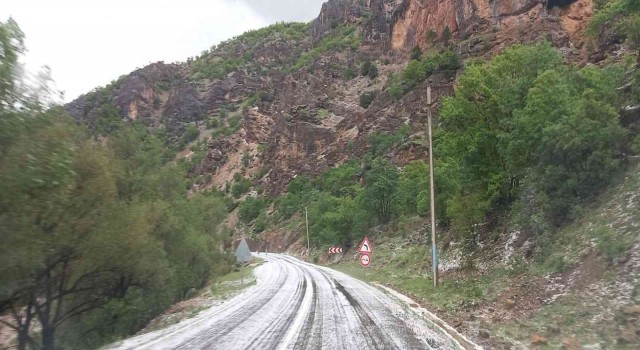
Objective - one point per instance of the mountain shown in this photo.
(303, 85)
(330, 117)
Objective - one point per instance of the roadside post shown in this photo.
(434, 255)
(243, 255)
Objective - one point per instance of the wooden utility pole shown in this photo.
(434, 261)
(306, 217)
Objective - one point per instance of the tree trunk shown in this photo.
(48, 338)
(23, 338)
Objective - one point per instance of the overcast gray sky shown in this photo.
(88, 43)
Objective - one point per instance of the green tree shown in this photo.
(343, 180)
(413, 74)
(250, 209)
(446, 36)
(369, 69)
(416, 53)
(240, 187)
(108, 120)
(478, 121)
(380, 190)
(413, 188)
(335, 220)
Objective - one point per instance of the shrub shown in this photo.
(191, 134)
(369, 69)
(367, 98)
(251, 209)
(246, 159)
(241, 187)
(413, 74)
(265, 96)
(416, 53)
(349, 73)
(396, 90)
(234, 123)
(213, 123)
(261, 223)
(446, 35)
(449, 60)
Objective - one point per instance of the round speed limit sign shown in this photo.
(365, 260)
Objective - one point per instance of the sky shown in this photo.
(89, 43)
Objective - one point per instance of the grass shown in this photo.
(223, 288)
(230, 284)
(409, 269)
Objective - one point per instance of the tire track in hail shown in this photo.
(375, 333)
(303, 342)
(409, 339)
(341, 331)
(281, 324)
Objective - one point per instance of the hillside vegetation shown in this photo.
(98, 235)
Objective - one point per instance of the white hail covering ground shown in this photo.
(297, 305)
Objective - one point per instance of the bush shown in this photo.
(349, 73)
(288, 205)
(251, 209)
(367, 98)
(261, 223)
(396, 90)
(416, 53)
(413, 74)
(448, 60)
(213, 123)
(191, 134)
(369, 69)
(234, 123)
(265, 96)
(241, 187)
(417, 71)
(246, 159)
(610, 244)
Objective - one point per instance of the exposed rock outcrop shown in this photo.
(305, 121)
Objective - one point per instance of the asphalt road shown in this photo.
(297, 305)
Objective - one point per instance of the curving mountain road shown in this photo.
(297, 305)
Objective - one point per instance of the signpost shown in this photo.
(365, 260)
(365, 246)
(243, 255)
(365, 249)
(335, 250)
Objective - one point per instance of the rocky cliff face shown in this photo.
(305, 120)
(489, 24)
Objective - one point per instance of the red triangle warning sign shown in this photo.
(365, 246)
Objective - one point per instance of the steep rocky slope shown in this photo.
(286, 101)
(292, 89)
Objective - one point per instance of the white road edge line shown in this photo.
(429, 316)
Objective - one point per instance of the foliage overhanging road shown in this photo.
(297, 305)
